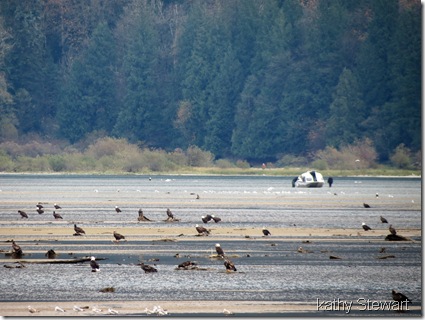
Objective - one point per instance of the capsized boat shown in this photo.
(309, 179)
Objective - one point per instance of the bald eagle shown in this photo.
(118, 210)
(266, 232)
(202, 230)
(94, 265)
(393, 231)
(23, 214)
(57, 215)
(366, 227)
(219, 250)
(78, 230)
(118, 236)
(383, 220)
(216, 219)
(229, 265)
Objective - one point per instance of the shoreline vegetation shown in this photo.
(111, 156)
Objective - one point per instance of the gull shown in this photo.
(97, 310)
(112, 311)
(225, 311)
(77, 308)
(57, 308)
(32, 310)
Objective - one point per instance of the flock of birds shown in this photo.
(201, 230)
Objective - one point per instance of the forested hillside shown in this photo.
(243, 79)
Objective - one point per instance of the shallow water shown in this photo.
(270, 270)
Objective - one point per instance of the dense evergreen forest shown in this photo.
(242, 79)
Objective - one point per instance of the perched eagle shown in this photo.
(219, 250)
(16, 248)
(229, 265)
(170, 214)
(57, 215)
(118, 236)
(57, 207)
(393, 231)
(118, 210)
(399, 297)
(206, 219)
(147, 268)
(23, 214)
(366, 227)
(94, 265)
(142, 216)
(202, 230)
(78, 230)
(216, 219)
(383, 220)
(40, 211)
(266, 232)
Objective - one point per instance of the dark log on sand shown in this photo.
(396, 237)
(76, 260)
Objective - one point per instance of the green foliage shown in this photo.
(199, 158)
(241, 79)
(401, 158)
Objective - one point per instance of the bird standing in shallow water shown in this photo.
(23, 214)
(383, 220)
(366, 227)
(57, 215)
(219, 250)
(229, 265)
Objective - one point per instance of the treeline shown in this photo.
(256, 80)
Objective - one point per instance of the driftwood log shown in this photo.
(76, 260)
(396, 237)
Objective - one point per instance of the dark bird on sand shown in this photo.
(94, 265)
(142, 216)
(219, 250)
(392, 230)
(266, 232)
(51, 254)
(366, 205)
(216, 219)
(118, 210)
(23, 214)
(118, 236)
(57, 207)
(16, 248)
(400, 297)
(202, 230)
(147, 268)
(187, 264)
(40, 211)
(57, 215)
(229, 265)
(206, 219)
(383, 220)
(366, 227)
(78, 230)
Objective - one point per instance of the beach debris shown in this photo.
(187, 265)
(334, 257)
(57, 308)
(386, 257)
(392, 237)
(96, 309)
(366, 205)
(302, 250)
(158, 310)
(32, 310)
(147, 268)
(107, 289)
(78, 309)
(227, 312)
